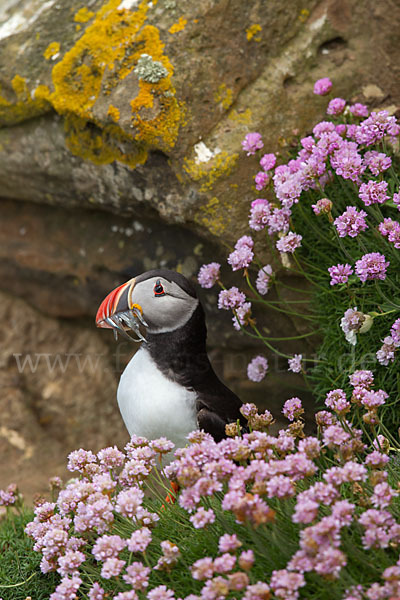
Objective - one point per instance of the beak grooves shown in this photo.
(118, 310)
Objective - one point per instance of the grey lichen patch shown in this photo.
(150, 70)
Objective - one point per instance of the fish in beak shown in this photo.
(119, 312)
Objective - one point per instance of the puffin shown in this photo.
(169, 387)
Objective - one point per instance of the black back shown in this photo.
(182, 357)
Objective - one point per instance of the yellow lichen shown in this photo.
(51, 50)
(304, 14)
(252, 31)
(208, 173)
(113, 112)
(242, 118)
(23, 107)
(102, 146)
(106, 53)
(112, 44)
(213, 216)
(83, 15)
(179, 26)
(224, 95)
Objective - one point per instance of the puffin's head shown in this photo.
(160, 299)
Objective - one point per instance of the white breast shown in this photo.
(152, 405)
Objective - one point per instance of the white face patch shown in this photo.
(165, 305)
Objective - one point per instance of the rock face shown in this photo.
(120, 150)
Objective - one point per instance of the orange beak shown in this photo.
(118, 300)
(119, 312)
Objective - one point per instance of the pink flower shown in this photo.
(252, 142)
(108, 546)
(231, 299)
(268, 161)
(293, 408)
(336, 106)
(263, 279)
(336, 400)
(246, 560)
(259, 213)
(257, 591)
(359, 110)
(295, 363)
(242, 256)
(129, 501)
(224, 563)
(377, 162)
(340, 273)
(322, 86)
(139, 540)
(261, 180)
(137, 575)
(323, 206)
(373, 192)
(285, 584)
(208, 275)
(386, 353)
(353, 322)
(79, 459)
(257, 369)
(383, 495)
(351, 222)
(96, 592)
(289, 242)
(161, 592)
(202, 569)
(111, 457)
(347, 162)
(229, 543)
(112, 567)
(202, 517)
(362, 378)
(372, 266)
(242, 316)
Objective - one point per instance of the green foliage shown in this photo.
(20, 575)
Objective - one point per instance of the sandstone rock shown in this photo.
(233, 67)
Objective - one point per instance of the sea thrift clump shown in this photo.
(257, 368)
(252, 142)
(351, 222)
(209, 275)
(323, 86)
(372, 266)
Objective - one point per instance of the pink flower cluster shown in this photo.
(387, 352)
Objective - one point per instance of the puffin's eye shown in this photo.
(158, 289)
